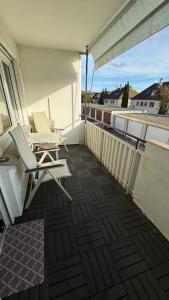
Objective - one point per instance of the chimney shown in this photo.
(161, 81)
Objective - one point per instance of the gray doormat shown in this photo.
(22, 258)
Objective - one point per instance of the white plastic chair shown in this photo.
(48, 149)
(45, 132)
(56, 170)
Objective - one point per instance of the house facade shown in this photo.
(96, 98)
(148, 99)
(114, 98)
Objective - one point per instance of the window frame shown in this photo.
(7, 106)
(13, 118)
(151, 104)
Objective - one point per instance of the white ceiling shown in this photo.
(60, 24)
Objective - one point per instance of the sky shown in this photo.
(141, 65)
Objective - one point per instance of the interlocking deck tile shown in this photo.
(67, 277)
(100, 246)
(100, 270)
(144, 286)
(162, 274)
(89, 236)
(114, 293)
(81, 213)
(111, 229)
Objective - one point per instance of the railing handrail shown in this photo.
(138, 140)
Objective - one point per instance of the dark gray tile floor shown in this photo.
(100, 246)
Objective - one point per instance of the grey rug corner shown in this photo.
(22, 258)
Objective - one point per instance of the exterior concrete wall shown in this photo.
(54, 75)
(112, 102)
(148, 109)
(115, 102)
(151, 190)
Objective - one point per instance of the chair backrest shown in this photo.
(25, 153)
(41, 122)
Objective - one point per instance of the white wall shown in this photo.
(151, 190)
(115, 102)
(112, 102)
(148, 109)
(56, 75)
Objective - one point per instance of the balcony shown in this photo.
(111, 241)
(100, 246)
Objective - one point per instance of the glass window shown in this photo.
(151, 104)
(11, 90)
(5, 121)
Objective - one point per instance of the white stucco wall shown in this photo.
(54, 75)
(148, 109)
(151, 190)
(112, 102)
(115, 102)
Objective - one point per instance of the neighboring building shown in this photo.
(96, 98)
(148, 99)
(114, 98)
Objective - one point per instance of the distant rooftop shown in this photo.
(151, 93)
(118, 93)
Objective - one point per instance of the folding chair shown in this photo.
(47, 148)
(56, 170)
(45, 132)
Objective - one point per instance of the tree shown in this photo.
(125, 98)
(102, 96)
(164, 99)
(86, 97)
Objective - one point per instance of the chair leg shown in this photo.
(57, 154)
(33, 192)
(61, 186)
(65, 147)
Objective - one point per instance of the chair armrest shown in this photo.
(56, 129)
(43, 168)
